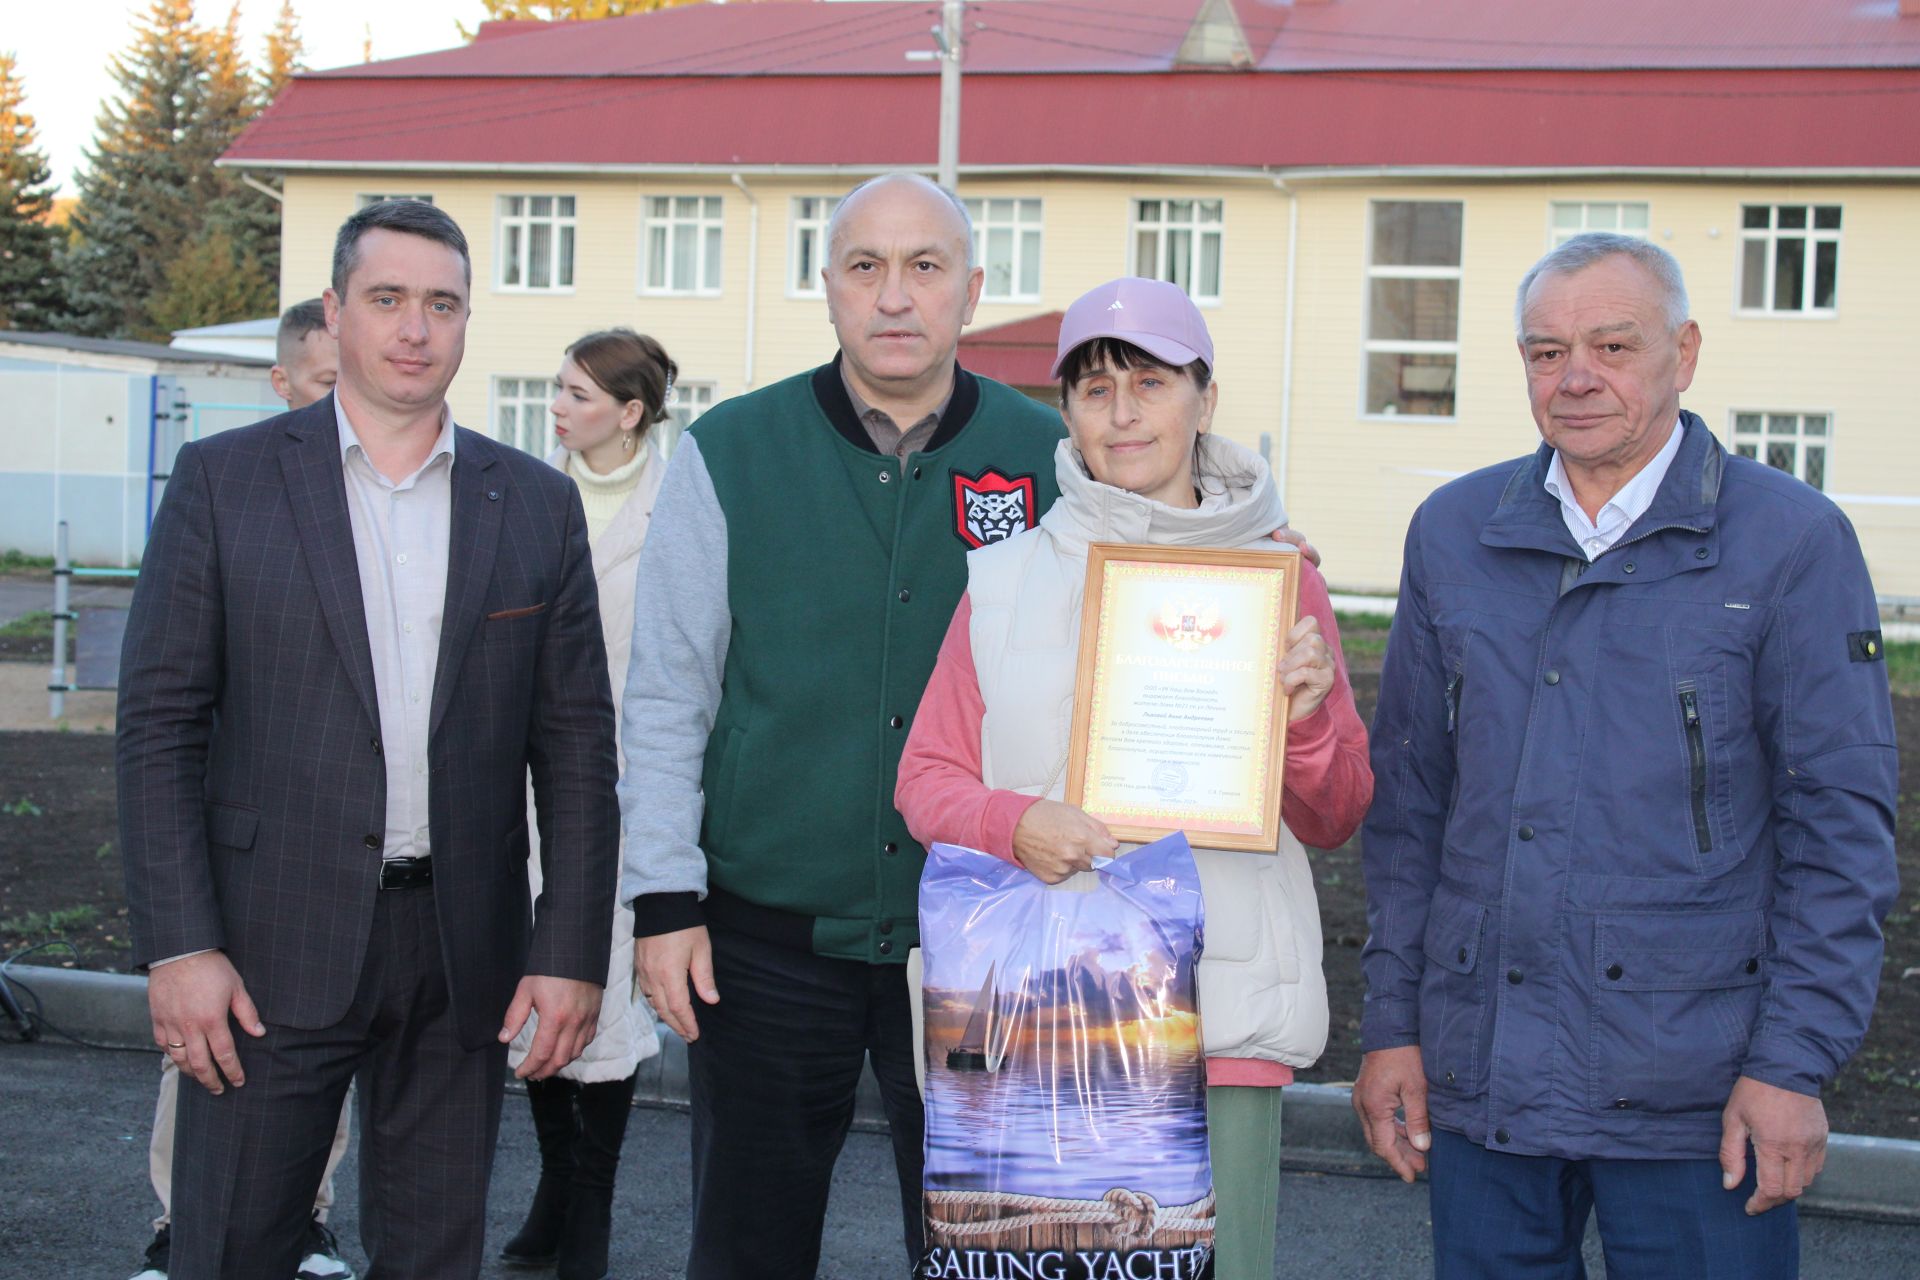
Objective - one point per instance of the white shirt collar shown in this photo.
(350, 439)
(1598, 535)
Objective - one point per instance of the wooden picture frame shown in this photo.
(1179, 721)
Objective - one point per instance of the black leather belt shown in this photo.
(406, 873)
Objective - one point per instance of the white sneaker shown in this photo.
(157, 1256)
(322, 1260)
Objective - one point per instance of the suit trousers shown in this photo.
(247, 1162)
(771, 1079)
(1498, 1216)
(160, 1148)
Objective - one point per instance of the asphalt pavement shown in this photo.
(74, 1199)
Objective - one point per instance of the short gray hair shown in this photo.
(959, 206)
(1583, 251)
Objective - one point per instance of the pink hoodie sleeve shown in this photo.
(1329, 783)
(939, 791)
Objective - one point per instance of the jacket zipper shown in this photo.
(1453, 699)
(1697, 757)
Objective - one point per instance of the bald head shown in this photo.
(896, 194)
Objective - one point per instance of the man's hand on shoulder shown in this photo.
(190, 1000)
(1788, 1131)
(569, 1013)
(1392, 1079)
(667, 966)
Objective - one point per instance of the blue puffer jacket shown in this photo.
(1633, 832)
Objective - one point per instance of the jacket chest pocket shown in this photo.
(1453, 998)
(1674, 1001)
(1709, 758)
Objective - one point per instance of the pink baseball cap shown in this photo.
(1157, 317)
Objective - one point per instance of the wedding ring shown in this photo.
(176, 1044)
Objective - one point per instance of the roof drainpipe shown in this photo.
(1286, 342)
(753, 274)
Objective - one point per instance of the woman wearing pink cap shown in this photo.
(985, 763)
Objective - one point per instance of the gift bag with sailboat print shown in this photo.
(1065, 1086)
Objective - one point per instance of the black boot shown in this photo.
(604, 1109)
(537, 1243)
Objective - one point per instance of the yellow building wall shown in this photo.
(1350, 480)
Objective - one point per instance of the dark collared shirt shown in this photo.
(886, 435)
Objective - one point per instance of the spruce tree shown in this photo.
(286, 54)
(248, 218)
(146, 187)
(30, 297)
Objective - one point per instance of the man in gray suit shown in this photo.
(357, 628)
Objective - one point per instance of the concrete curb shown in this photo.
(1873, 1178)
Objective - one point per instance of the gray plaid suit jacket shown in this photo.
(251, 789)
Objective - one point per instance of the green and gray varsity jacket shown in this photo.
(791, 598)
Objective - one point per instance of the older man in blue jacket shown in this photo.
(1632, 842)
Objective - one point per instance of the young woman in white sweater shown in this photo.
(612, 389)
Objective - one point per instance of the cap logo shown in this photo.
(1116, 305)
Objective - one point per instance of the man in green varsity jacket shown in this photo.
(806, 553)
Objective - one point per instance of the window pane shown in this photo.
(1000, 211)
(973, 209)
(542, 206)
(999, 261)
(658, 207)
(1146, 259)
(1603, 217)
(657, 258)
(1030, 262)
(1414, 310)
(686, 206)
(510, 256)
(803, 267)
(1029, 211)
(1180, 259)
(1210, 210)
(1780, 455)
(566, 206)
(564, 269)
(503, 418)
(1826, 270)
(1399, 383)
(1566, 217)
(1782, 424)
(1789, 270)
(1747, 423)
(539, 255)
(1816, 466)
(1208, 283)
(710, 208)
(1753, 275)
(1754, 216)
(1633, 217)
(1748, 451)
(1179, 211)
(1814, 424)
(516, 206)
(1416, 233)
(1792, 215)
(711, 279)
(1827, 217)
(1147, 210)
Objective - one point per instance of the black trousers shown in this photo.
(247, 1163)
(771, 1079)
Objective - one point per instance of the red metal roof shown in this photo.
(1349, 83)
(1018, 353)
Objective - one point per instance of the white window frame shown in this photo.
(1771, 235)
(375, 197)
(684, 406)
(710, 214)
(1371, 346)
(1740, 436)
(1019, 227)
(563, 229)
(1557, 234)
(1165, 224)
(499, 398)
(802, 226)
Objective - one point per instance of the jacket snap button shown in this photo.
(1613, 972)
(1462, 957)
(895, 723)
(372, 842)
(1526, 833)
(885, 476)
(1699, 553)
(1449, 1077)
(1621, 1104)
(1553, 677)
(916, 473)
(886, 948)
(493, 495)
(376, 745)
(886, 926)
(889, 847)
(1500, 1135)
(1515, 977)
(905, 595)
(1625, 568)
(1753, 966)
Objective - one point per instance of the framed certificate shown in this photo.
(1179, 723)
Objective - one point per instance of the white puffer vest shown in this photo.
(1262, 994)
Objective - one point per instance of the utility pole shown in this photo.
(948, 36)
(950, 43)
